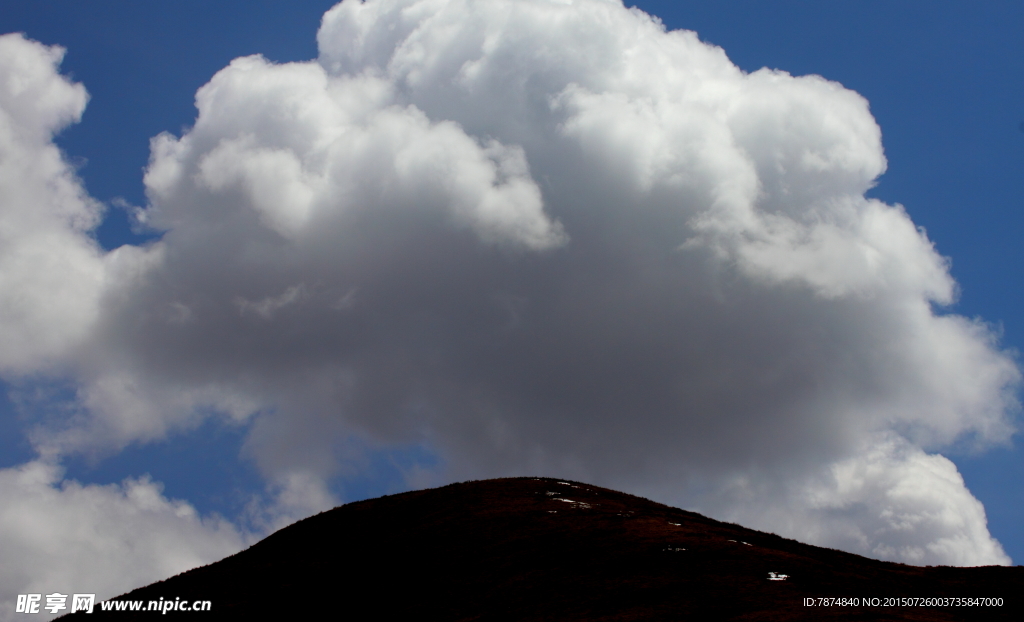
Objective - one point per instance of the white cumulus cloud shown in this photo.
(536, 237)
(50, 274)
(60, 536)
(893, 501)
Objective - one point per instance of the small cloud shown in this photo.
(347, 301)
(267, 307)
(59, 534)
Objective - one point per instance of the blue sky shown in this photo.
(945, 82)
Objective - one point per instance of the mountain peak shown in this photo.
(535, 548)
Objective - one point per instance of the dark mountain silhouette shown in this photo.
(545, 549)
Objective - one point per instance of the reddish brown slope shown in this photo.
(541, 549)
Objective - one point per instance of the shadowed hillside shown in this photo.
(544, 549)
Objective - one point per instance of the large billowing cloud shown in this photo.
(537, 237)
